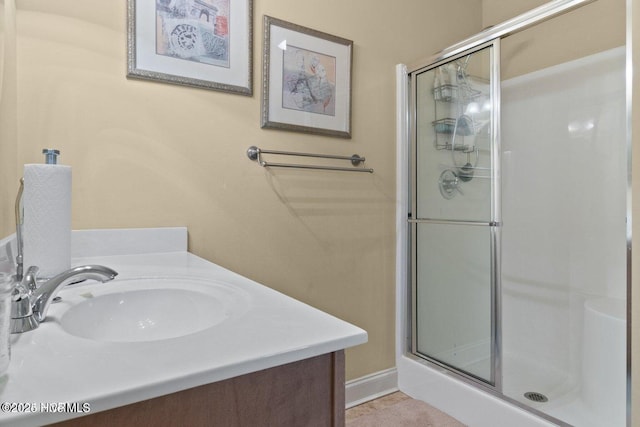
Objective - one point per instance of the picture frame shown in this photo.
(207, 45)
(306, 77)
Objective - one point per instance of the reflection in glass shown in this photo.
(453, 139)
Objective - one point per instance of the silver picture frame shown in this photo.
(206, 45)
(306, 80)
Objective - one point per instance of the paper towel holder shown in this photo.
(19, 239)
(50, 156)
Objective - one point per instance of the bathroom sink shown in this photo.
(149, 309)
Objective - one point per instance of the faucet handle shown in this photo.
(21, 306)
(29, 280)
(22, 319)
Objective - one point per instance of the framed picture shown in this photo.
(306, 80)
(202, 43)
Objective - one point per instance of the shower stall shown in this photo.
(513, 228)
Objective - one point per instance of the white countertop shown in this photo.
(49, 365)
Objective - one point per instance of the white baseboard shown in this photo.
(371, 387)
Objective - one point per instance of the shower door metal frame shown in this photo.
(495, 382)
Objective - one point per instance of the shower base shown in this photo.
(564, 397)
(564, 402)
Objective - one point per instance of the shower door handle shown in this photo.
(452, 222)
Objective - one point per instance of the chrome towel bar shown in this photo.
(255, 153)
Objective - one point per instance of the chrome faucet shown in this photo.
(31, 301)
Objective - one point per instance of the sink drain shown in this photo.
(536, 397)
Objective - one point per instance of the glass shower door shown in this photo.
(564, 188)
(453, 215)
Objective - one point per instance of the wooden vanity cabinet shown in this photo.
(309, 392)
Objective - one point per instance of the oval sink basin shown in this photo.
(149, 309)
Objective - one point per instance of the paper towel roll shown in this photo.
(47, 218)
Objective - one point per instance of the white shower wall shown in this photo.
(564, 180)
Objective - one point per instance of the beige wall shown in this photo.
(497, 11)
(148, 154)
(593, 28)
(8, 140)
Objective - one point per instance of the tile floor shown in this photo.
(374, 405)
(398, 410)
